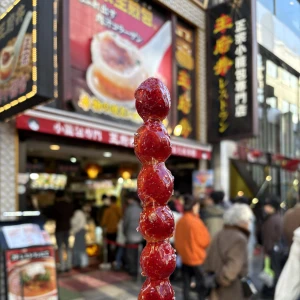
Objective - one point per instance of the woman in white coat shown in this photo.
(288, 286)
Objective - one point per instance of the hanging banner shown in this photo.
(232, 100)
(114, 46)
(185, 62)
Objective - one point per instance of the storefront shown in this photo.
(83, 141)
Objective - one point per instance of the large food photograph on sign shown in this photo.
(31, 274)
(114, 46)
(16, 54)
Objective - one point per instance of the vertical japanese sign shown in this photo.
(114, 46)
(184, 54)
(17, 67)
(31, 273)
(232, 103)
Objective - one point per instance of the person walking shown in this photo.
(132, 236)
(110, 221)
(227, 256)
(105, 205)
(191, 240)
(272, 242)
(288, 286)
(291, 221)
(213, 212)
(62, 214)
(78, 229)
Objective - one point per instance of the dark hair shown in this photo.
(60, 194)
(104, 196)
(273, 201)
(241, 200)
(189, 202)
(133, 196)
(113, 199)
(217, 196)
(172, 205)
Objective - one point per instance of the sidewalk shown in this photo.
(102, 285)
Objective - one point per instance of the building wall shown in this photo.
(8, 167)
(195, 15)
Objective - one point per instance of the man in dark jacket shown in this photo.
(271, 239)
(62, 214)
(132, 236)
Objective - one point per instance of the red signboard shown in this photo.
(114, 46)
(31, 273)
(98, 134)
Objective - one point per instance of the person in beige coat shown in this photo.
(227, 256)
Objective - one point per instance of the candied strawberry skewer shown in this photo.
(152, 146)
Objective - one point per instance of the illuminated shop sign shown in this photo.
(231, 72)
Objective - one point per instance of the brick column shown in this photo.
(8, 167)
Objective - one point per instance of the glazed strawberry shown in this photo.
(152, 142)
(152, 100)
(156, 223)
(155, 187)
(157, 290)
(158, 260)
(155, 184)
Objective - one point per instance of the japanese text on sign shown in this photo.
(222, 66)
(30, 255)
(240, 69)
(106, 15)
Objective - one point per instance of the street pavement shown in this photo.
(95, 284)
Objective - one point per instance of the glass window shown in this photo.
(269, 4)
(294, 81)
(271, 69)
(285, 76)
(288, 11)
(285, 106)
(294, 111)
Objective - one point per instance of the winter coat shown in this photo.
(288, 286)
(78, 221)
(131, 223)
(213, 219)
(111, 218)
(291, 222)
(227, 257)
(191, 239)
(271, 232)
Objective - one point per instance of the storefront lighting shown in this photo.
(177, 130)
(269, 178)
(282, 205)
(107, 154)
(120, 180)
(296, 182)
(240, 193)
(73, 159)
(54, 147)
(126, 175)
(21, 213)
(34, 176)
(255, 201)
(93, 170)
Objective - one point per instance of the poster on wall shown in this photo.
(203, 181)
(114, 46)
(31, 273)
(185, 62)
(231, 52)
(28, 52)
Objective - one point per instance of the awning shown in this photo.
(72, 125)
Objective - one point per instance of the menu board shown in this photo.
(31, 274)
(24, 235)
(114, 46)
(17, 81)
(185, 53)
